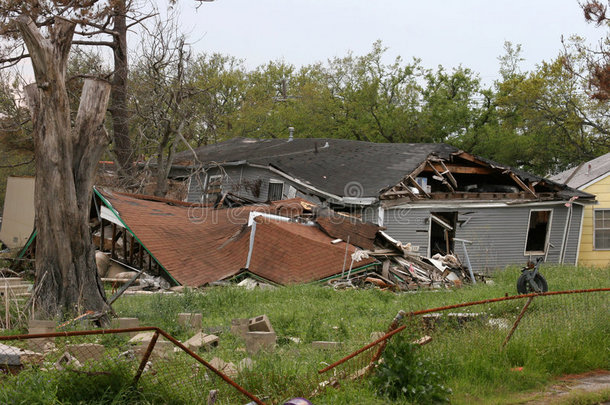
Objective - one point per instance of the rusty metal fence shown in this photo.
(104, 364)
(160, 369)
(500, 319)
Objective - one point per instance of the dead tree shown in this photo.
(66, 158)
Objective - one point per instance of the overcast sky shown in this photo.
(466, 32)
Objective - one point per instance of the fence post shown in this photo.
(512, 330)
(146, 356)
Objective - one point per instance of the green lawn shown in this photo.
(558, 335)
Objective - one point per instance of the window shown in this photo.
(276, 189)
(601, 230)
(214, 187)
(538, 231)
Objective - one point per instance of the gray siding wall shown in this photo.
(244, 181)
(498, 234)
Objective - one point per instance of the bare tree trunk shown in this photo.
(120, 113)
(66, 159)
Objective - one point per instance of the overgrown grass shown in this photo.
(560, 334)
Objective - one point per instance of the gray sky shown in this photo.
(467, 32)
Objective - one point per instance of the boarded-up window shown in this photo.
(538, 231)
(601, 240)
(276, 189)
(214, 187)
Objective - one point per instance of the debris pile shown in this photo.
(402, 270)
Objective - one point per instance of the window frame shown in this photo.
(548, 233)
(274, 181)
(209, 179)
(595, 228)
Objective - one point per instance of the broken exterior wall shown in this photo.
(244, 181)
(498, 233)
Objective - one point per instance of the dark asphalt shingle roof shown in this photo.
(338, 166)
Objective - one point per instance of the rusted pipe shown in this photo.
(209, 366)
(512, 330)
(393, 325)
(147, 354)
(157, 331)
(362, 349)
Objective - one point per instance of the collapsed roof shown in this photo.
(348, 168)
(198, 245)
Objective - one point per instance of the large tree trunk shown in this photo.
(120, 113)
(66, 158)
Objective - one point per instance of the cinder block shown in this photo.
(239, 327)
(202, 340)
(325, 345)
(227, 368)
(256, 341)
(190, 320)
(260, 324)
(87, 352)
(126, 323)
(36, 326)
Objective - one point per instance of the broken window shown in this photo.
(442, 232)
(538, 231)
(276, 189)
(601, 230)
(214, 188)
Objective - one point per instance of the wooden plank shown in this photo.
(449, 175)
(102, 234)
(521, 184)
(445, 182)
(112, 253)
(417, 186)
(459, 169)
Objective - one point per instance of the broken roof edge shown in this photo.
(522, 173)
(115, 212)
(424, 204)
(333, 197)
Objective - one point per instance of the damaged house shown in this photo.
(432, 197)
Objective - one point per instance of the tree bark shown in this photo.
(120, 113)
(67, 282)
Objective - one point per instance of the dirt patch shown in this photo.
(594, 381)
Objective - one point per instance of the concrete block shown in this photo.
(227, 368)
(260, 324)
(239, 327)
(202, 340)
(16, 356)
(86, 351)
(325, 345)
(39, 326)
(67, 361)
(125, 323)
(256, 341)
(190, 320)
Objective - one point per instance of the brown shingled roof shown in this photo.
(199, 245)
